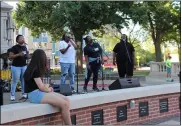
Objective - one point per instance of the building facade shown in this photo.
(7, 27)
(7, 31)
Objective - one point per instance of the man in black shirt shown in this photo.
(19, 54)
(123, 56)
(93, 58)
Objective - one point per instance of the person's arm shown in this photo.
(73, 43)
(133, 57)
(12, 55)
(62, 49)
(114, 54)
(28, 55)
(114, 58)
(87, 62)
(101, 54)
(42, 86)
(86, 58)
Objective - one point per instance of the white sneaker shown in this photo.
(12, 98)
(24, 96)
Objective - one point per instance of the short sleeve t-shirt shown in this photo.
(168, 63)
(30, 85)
(94, 50)
(69, 56)
(19, 61)
(121, 52)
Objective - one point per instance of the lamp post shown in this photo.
(138, 60)
(53, 63)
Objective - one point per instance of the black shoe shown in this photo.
(96, 89)
(23, 98)
(73, 90)
(85, 90)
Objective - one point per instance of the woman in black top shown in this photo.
(19, 55)
(93, 58)
(41, 93)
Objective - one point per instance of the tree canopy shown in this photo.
(79, 16)
(159, 18)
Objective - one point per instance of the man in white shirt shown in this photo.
(67, 59)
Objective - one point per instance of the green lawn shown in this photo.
(142, 72)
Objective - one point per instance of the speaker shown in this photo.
(124, 83)
(63, 89)
(1, 91)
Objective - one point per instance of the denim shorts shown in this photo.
(168, 70)
(36, 96)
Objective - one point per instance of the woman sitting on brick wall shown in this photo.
(41, 93)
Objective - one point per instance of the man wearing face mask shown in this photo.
(93, 58)
(124, 57)
(67, 59)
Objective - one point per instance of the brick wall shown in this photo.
(83, 115)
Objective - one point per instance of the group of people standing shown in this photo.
(31, 76)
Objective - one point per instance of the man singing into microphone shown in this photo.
(67, 59)
(124, 57)
(93, 58)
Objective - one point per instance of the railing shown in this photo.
(159, 68)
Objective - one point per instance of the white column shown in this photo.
(53, 61)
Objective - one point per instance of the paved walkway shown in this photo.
(149, 82)
(170, 121)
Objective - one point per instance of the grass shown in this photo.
(142, 72)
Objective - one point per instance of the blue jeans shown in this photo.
(68, 68)
(17, 74)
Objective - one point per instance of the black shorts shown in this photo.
(125, 68)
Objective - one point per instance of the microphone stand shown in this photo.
(103, 89)
(77, 71)
(77, 75)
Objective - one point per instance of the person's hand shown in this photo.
(51, 89)
(88, 66)
(69, 45)
(102, 61)
(21, 54)
(47, 85)
(114, 62)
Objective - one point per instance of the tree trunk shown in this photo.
(156, 36)
(179, 52)
(157, 44)
(79, 53)
(158, 51)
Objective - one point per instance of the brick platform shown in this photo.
(83, 115)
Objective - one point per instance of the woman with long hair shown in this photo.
(41, 93)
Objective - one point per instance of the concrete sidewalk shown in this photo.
(149, 82)
(170, 121)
